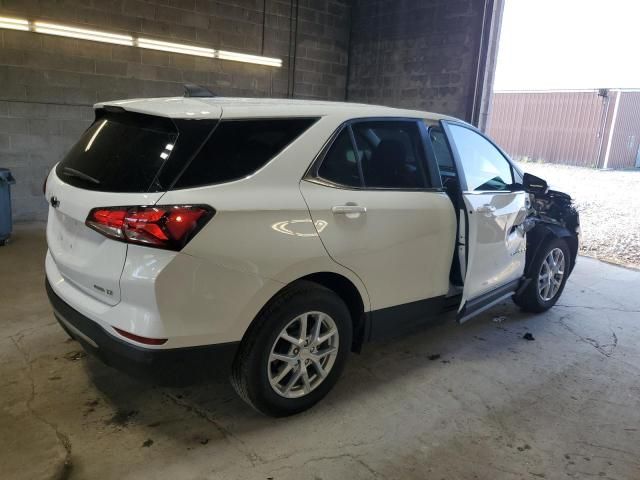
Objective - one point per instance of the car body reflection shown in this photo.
(300, 228)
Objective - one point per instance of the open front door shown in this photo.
(495, 206)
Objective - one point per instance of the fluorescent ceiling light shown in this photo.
(243, 57)
(14, 23)
(206, 52)
(175, 47)
(128, 40)
(82, 33)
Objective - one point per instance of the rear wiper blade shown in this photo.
(72, 172)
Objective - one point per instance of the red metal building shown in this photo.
(589, 128)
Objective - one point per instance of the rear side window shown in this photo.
(238, 148)
(386, 154)
(340, 165)
(392, 154)
(119, 152)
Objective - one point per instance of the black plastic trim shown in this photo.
(173, 366)
(539, 236)
(393, 321)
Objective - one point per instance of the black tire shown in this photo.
(530, 299)
(249, 372)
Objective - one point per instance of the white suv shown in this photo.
(272, 237)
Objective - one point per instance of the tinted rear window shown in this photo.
(238, 148)
(120, 152)
(340, 165)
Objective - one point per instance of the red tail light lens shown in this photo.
(166, 226)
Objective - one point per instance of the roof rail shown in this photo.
(193, 90)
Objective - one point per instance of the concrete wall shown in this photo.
(420, 54)
(48, 83)
(409, 53)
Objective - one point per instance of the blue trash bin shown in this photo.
(6, 180)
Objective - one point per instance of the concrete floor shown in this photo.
(491, 406)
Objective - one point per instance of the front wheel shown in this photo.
(550, 270)
(295, 352)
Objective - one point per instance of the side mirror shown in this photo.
(533, 184)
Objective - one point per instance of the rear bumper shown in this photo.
(173, 366)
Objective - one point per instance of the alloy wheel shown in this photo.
(551, 274)
(303, 354)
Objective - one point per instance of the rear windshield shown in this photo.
(120, 152)
(130, 152)
(238, 148)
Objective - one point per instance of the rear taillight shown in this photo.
(163, 226)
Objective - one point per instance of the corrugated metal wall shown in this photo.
(570, 127)
(625, 139)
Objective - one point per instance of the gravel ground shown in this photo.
(609, 206)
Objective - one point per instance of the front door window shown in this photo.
(484, 167)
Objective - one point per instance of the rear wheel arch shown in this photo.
(350, 295)
(344, 288)
(252, 373)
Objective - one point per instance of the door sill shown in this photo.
(454, 291)
(487, 300)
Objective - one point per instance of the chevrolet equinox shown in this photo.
(269, 238)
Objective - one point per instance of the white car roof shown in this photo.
(231, 107)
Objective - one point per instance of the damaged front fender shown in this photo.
(552, 214)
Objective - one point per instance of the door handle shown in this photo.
(350, 210)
